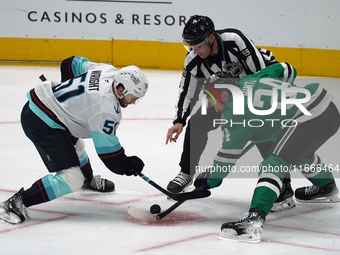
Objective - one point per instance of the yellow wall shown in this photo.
(149, 54)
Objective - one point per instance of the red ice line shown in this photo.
(216, 234)
(17, 122)
(302, 245)
(189, 238)
(114, 203)
(263, 240)
(176, 242)
(21, 226)
(9, 122)
(66, 215)
(101, 202)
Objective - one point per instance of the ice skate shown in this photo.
(285, 200)
(13, 210)
(247, 229)
(313, 194)
(99, 184)
(179, 183)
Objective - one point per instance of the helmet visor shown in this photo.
(187, 46)
(193, 47)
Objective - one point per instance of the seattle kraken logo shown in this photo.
(117, 109)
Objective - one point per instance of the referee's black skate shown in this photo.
(285, 200)
(13, 210)
(247, 229)
(313, 194)
(179, 183)
(99, 184)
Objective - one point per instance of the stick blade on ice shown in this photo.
(141, 215)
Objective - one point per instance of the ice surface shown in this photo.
(93, 223)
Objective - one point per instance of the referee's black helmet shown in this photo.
(197, 29)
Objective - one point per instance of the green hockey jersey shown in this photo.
(269, 104)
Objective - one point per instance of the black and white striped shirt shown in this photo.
(237, 54)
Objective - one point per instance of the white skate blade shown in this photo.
(230, 234)
(186, 189)
(141, 215)
(284, 205)
(332, 199)
(169, 198)
(10, 218)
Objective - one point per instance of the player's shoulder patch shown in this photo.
(246, 52)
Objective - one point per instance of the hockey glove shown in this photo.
(136, 165)
(202, 180)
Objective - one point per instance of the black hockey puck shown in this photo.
(155, 209)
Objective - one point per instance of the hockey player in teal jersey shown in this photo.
(297, 120)
(70, 68)
(58, 116)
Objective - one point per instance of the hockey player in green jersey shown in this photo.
(210, 51)
(297, 120)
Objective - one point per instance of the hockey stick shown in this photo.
(246, 149)
(146, 216)
(178, 197)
